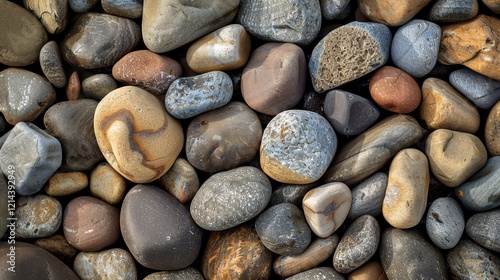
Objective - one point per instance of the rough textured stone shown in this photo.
(112, 264)
(483, 91)
(450, 11)
(274, 79)
(391, 12)
(371, 270)
(368, 196)
(330, 9)
(188, 273)
(107, 184)
(81, 6)
(138, 138)
(123, 8)
(52, 64)
(291, 193)
(99, 85)
(492, 131)
(66, 183)
(181, 181)
(318, 273)
(484, 228)
(53, 14)
(158, 230)
(335, 60)
(471, 261)
(89, 45)
(445, 222)
(58, 246)
(37, 216)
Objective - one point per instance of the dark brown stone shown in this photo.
(74, 88)
(58, 246)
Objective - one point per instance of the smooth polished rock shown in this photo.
(297, 147)
(318, 251)
(190, 96)
(471, 261)
(82, 6)
(451, 11)
(181, 181)
(445, 222)
(318, 273)
(225, 49)
(158, 229)
(326, 207)
(224, 138)
(368, 196)
(283, 229)
(493, 5)
(167, 25)
(484, 228)
(274, 79)
(52, 64)
(25, 95)
(66, 183)
(331, 9)
(370, 270)
(335, 60)
(291, 193)
(53, 14)
(72, 123)
(89, 45)
(58, 246)
(123, 8)
(35, 155)
(37, 216)
(372, 149)
(444, 107)
(99, 85)
(147, 70)
(230, 198)
(113, 263)
(483, 91)
(492, 131)
(282, 20)
(349, 114)
(448, 166)
(136, 135)
(236, 253)
(188, 273)
(23, 36)
(107, 184)
(74, 87)
(391, 12)
(473, 44)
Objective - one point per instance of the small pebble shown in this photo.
(99, 85)
(181, 181)
(331, 9)
(451, 11)
(188, 273)
(445, 222)
(107, 184)
(291, 193)
(123, 8)
(82, 6)
(484, 228)
(493, 5)
(483, 91)
(471, 261)
(318, 273)
(58, 246)
(52, 65)
(66, 183)
(370, 270)
(74, 87)
(368, 196)
(392, 12)
(111, 264)
(492, 131)
(37, 216)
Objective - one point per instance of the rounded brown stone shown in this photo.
(98, 86)
(58, 246)
(74, 87)
(90, 224)
(66, 183)
(107, 184)
(52, 64)
(371, 270)
(492, 131)
(494, 5)
(391, 12)
(394, 90)
(181, 181)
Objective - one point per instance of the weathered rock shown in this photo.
(188, 273)
(331, 9)
(484, 228)
(370, 270)
(53, 14)
(445, 222)
(471, 261)
(107, 184)
(123, 8)
(52, 64)
(58, 246)
(66, 183)
(483, 91)
(37, 216)
(112, 263)
(450, 11)
(492, 131)
(318, 273)
(368, 196)
(391, 12)
(98, 86)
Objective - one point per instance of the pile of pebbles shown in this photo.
(250, 139)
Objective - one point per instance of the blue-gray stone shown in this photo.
(123, 8)
(34, 154)
(415, 47)
(368, 196)
(445, 222)
(81, 6)
(483, 91)
(484, 228)
(471, 261)
(450, 11)
(38, 216)
(191, 96)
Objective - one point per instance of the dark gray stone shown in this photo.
(469, 261)
(484, 228)
(230, 198)
(291, 193)
(331, 9)
(182, 274)
(367, 197)
(81, 6)
(483, 91)
(451, 11)
(52, 64)
(318, 273)
(283, 229)
(37, 216)
(98, 86)
(123, 8)
(445, 222)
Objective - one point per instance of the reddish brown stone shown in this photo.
(74, 87)
(492, 131)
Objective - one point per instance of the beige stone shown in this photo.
(372, 270)
(454, 156)
(391, 12)
(444, 107)
(492, 131)
(107, 184)
(181, 181)
(405, 198)
(53, 14)
(61, 184)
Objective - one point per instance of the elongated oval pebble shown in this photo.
(367, 197)
(492, 131)
(445, 222)
(66, 183)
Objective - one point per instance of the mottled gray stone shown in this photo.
(4, 201)
(37, 216)
(484, 228)
(291, 193)
(469, 261)
(450, 11)
(230, 198)
(331, 9)
(415, 47)
(481, 191)
(35, 155)
(123, 8)
(358, 244)
(98, 85)
(190, 96)
(81, 6)
(283, 229)
(318, 273)
(158, 230)
(188, 273)
(52, 64)
(445, 222)
(367, 197)
(483, 91)
(113, 263)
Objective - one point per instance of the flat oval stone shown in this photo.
(274, 79)
(4, 203)
(147, 70)
(450, 11)
(181, 181)
(368, 196)
(25, 95)
(99, 85)
(415, 47)
(372, 149)
(90, 224)
(445, 222)
(113, 263)
(123, 8)
(35, 155)
(318, 251)
(72, 123)
(370, 270)
(192, 21)
(161, 236)
(190, 96)
(58, 246)
(52, 64)
(33, 262)
(236, 253)
(448, 166)
(326, 207)
(107, 184)
(281, 21)
(391, 12)
(473, 44)
(81, 6)
(291, 193)
(484, 228)
(318, 273)
(230, 198)
(405, 254)
(20, 45)
(405, 198)
(74, 87)
(331, 9)
(358, 244)
(138, 138)
(37, 216)
(188, 273)
(483, 91)
(88, 44)
(335, 60)
(492, 131)
(349, 114)
(225, 49)
(66, 183)
(224, 138)
(444, 107)
(297, 147)
(52, 14)
(471, 261)
(283, 229)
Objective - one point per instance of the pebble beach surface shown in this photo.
(249, 139)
